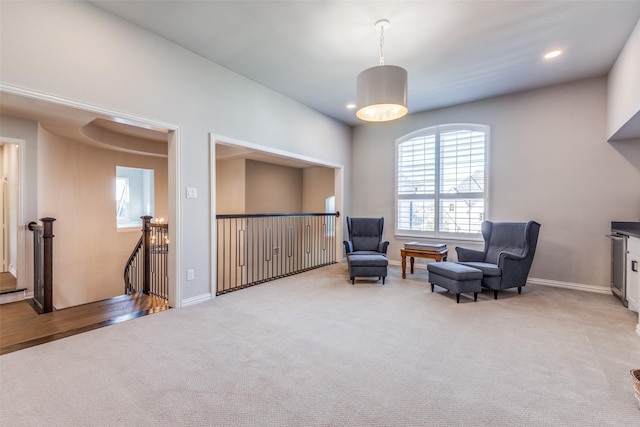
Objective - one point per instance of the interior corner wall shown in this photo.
(96, 58)
(549, 161)
(318, 183)
(230, 186)
(271, 188)
(77, 187)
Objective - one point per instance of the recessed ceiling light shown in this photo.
(552, 54)
(351, 106)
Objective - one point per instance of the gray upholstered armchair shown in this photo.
(365, 250)
(507, 256)
(365, 237)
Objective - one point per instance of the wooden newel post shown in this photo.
(47, 242)
(146, 243)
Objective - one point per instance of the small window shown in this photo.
(134, 195)
(330, 207)
(441, 177)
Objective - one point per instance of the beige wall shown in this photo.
(318, 183)
(230, 186)
(549, 161)
(272, 188)
(248, 186)
(77, 187)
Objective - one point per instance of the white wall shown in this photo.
(76, 51)
(77, 187)
(549, 162)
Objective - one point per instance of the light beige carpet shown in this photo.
(313, 350)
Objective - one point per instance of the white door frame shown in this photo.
(21, 231)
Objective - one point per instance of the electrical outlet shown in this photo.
(191, 274)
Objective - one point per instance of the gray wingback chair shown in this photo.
(365, 237)
(507, 256)
(366, 252)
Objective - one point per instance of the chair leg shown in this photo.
(495, 294)
(432, 286)
(353, 280)
(457, 298)
(519, 290)
(383, 277)
(475, 296)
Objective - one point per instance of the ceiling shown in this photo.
(454, 51)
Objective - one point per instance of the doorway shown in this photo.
(11, 259)
(27, 106)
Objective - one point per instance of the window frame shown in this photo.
(144, 191)
(436, 130)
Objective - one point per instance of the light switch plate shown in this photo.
(192, 193)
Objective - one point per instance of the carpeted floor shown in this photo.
(313, 350)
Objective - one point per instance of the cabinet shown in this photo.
(633, 273)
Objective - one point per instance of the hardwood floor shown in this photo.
(7, 282)
(21, 327)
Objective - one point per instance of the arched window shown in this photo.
(441, 181)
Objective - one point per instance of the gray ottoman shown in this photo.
(456, 278)
(367, 266)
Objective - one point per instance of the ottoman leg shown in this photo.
(432, 287)
(353, 280)
(475, 296)
(495, 294)
(458, 298)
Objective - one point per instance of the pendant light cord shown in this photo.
(382, 45)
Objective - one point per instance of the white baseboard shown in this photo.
(196, 300)
(569, 285)
(535, 281)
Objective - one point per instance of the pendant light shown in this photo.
(381, 91)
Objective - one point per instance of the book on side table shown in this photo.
(426, 246)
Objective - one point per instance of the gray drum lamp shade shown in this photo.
(381, 93)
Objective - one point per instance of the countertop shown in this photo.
(626, 228)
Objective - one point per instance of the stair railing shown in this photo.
(43, 264)
(146, 268)
(256, 248)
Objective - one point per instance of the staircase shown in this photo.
(9, 292)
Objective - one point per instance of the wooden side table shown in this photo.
(415, 253)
